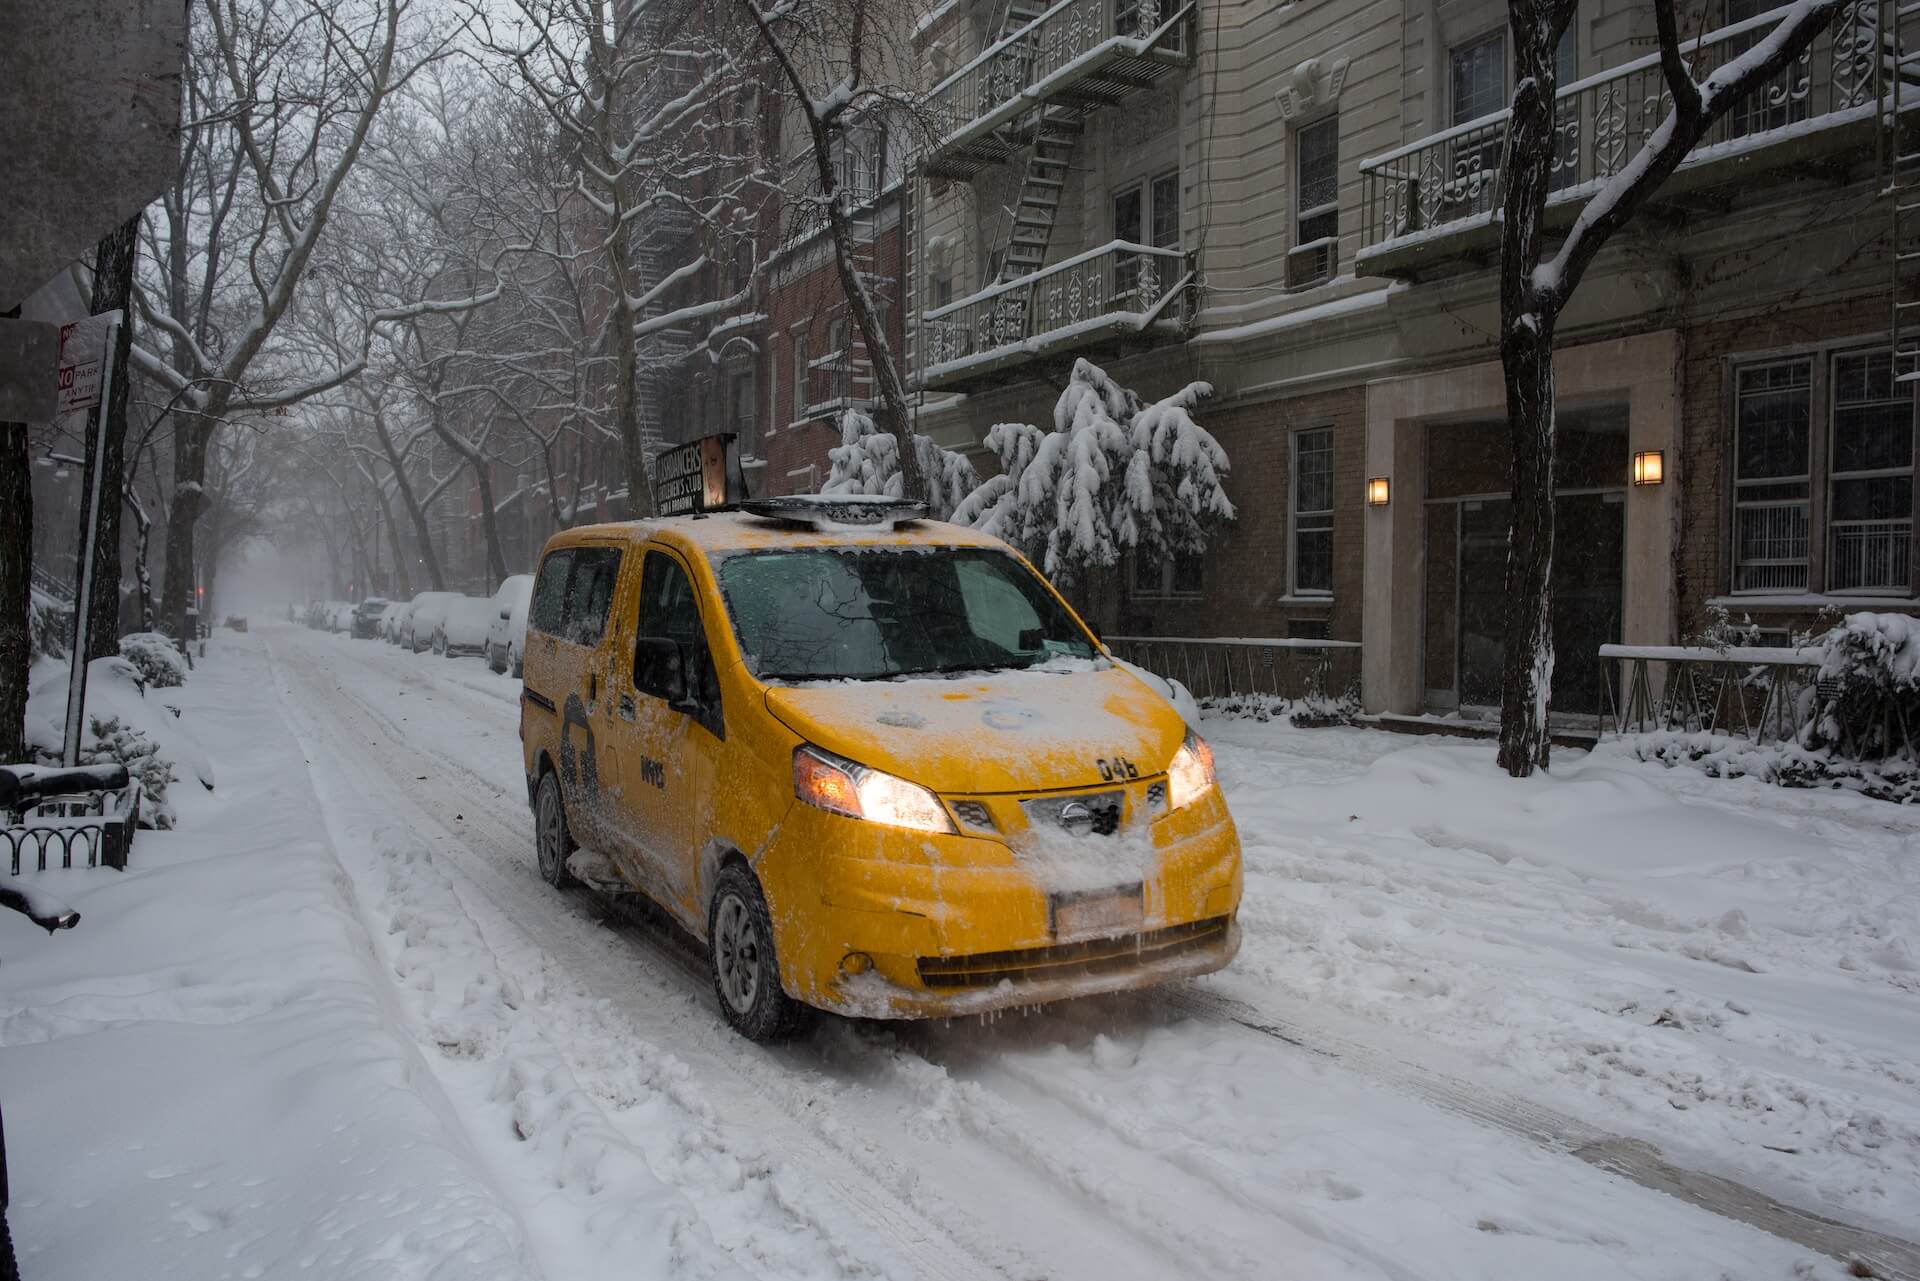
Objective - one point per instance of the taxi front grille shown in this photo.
(1071, 960)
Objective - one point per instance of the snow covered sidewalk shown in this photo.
(211, 1077)
(1724, 968)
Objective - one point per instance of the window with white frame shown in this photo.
(1772, 474)
(1823, 475)
(799, 376)
(1316, 194)
(1477, 87)
(1142, 210)
(1313, 512)
(1870, 471)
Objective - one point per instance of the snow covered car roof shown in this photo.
(731, 531)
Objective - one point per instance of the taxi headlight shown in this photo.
(843, 787)
(1191, 772)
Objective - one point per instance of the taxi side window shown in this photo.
(668, 613)
(996, 609)
(590, 593)
(550, 594)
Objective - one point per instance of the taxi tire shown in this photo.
(739, 909)
(553, 870)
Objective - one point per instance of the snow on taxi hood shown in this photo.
(1002, 731)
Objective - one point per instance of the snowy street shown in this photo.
(372, 1041)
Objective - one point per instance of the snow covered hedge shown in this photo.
(49, 626)
(159, 661)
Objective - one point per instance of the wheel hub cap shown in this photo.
(736, 948)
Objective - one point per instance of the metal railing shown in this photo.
(1228, 666)
(1603, 121)
(82, 829)
(1871, 555)
(1116, 281)
(835, 381)
(1753, 692)
(1010, 76)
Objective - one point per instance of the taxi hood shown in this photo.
(999, 731)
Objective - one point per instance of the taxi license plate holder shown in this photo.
(1103, 913)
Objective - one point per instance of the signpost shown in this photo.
(86, 379)
(700, 476)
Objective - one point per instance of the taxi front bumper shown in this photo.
(881, 923)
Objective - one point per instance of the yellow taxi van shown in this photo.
(874, 762)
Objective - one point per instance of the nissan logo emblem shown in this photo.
(1077, 817)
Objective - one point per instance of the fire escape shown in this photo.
(1027, 100)
(1899, 92)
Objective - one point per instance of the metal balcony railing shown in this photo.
(1078, 52)
(1871, 555)
(837, 380)
(1118, 285)
(1453, 177)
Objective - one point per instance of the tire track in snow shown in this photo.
(1633, 1159)
(647, 975)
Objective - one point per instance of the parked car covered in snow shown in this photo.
(507, 633)
(876, 763)
(428, 609)
(462, 626)
(340, 618)
(394, 621)
(366, 617)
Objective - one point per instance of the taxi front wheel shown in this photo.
(552, 839)
(746, 974)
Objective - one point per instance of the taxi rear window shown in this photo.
(574, 592)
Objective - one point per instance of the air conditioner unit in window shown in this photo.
(1312, 264)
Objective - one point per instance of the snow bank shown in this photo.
(159, 660)
(201, 1080)
(116, 694)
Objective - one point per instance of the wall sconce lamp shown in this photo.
(1377, 491)
(1649, 467)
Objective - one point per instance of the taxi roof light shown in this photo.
(829, 512)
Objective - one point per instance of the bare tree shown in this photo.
(1535, 286)
(282, 97)
(833, 56)
(652, 106)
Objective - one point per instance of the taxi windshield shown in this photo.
(843, 613)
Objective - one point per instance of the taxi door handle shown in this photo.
(626, 707)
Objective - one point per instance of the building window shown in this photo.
(799, 377)
(1772, 468)
(1477, 80)
(940, 291)
(1181, 575)
(1316, 188)
(742, 418)
(1136, 210)
(1313, 512)
(1870, 495)
(1166, 211)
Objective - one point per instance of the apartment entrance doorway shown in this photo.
(1467, 541)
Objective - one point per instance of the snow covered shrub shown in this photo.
(1869, 687)
(110, 742)
(1783, 764)
(1115, 475)
(49, 626)
(1314, 711)
(158, 659)
(867, 461)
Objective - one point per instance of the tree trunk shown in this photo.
(400, 578)
(416, 514)
(189, 497)
(16, 588)
(142, 575)
(496, 559)
(626, 407)
(112, 290)
(1527, 316)
(886, 370)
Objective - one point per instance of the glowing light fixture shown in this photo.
(1650, 467)
(1377, 491)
